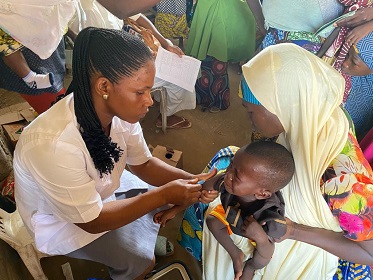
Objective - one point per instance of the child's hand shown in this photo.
(358, 33)
(163, 217)
(207, 196)
(158, 217)
(253, 230)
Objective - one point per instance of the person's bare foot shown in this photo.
(174, 122)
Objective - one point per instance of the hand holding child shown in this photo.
(290, 227)
(361, 16)
(358, 33)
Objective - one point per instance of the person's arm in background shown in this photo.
(333, 242)
(126, 8)
(71, 34)
(361, 16)
(166, 44)
(256, 9)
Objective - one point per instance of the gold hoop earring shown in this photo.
(105, 96)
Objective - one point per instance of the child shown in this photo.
(12, 56)
(359, 65)
(249, 195)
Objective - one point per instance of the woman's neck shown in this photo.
(107, 129)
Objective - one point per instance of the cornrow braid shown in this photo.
(114, 54)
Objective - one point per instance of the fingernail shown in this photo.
(201, 182)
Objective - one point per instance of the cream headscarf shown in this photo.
(304, 93)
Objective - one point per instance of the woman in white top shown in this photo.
(69, 161)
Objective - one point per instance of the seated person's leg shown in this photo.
(14, 59)
(128, 251)
(178, 99)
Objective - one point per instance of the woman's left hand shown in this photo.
(175, 49)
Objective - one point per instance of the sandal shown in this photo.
(163, 247)
(214, 110)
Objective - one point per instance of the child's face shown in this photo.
(242, 175)
(354, 65)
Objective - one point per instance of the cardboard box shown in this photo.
(14, 119)
(169, 155)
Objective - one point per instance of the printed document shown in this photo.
(181, 71)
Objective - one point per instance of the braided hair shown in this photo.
(114, 54)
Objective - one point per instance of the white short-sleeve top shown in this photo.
(56, 182)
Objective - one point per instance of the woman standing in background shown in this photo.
(221, 32)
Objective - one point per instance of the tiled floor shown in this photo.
(209, 133)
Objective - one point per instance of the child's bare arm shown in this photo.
(219, 230)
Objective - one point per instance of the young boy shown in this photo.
(251, 204)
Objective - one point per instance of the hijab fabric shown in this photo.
(304, 93)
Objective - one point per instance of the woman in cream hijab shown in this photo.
(296, 96)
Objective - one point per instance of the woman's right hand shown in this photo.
(361, 16)
(182, 192)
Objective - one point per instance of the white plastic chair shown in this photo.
(163, 105)
(14, 232)
(178, 265)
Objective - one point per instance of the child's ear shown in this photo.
(263, 194)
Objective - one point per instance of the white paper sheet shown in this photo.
(181, 71)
